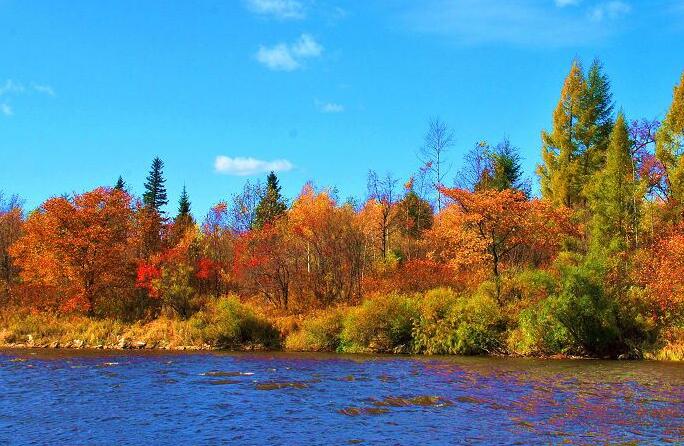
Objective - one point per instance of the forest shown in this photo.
(592, 265)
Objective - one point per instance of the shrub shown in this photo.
(227, 322)
(464, 325)
(318, 333)
(382, 324)
(539, 332)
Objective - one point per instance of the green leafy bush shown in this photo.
(382, 324)
(319, 333)
(227, 322)
(458, 324)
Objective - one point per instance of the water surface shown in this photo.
(119, 398)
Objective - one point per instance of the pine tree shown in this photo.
(507, 171)
(272, 205)
(612, 198)
(670, 145)
(184, 204)
(120, 184)
(155, 192)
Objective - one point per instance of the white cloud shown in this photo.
(243, 166)
(329, 107)
(279, 9)
(11, 87)
(564, 3)
(45, 89)
(289, 57)
(609, 10)
(6, 110)
(307, 46)
(527, 23)
(277, 58)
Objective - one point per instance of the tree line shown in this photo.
(600, 252)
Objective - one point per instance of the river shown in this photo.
(120, 398)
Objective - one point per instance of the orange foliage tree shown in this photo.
(490, 229)
(79, 248)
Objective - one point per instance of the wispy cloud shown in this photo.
(243, 166)
(609, 10)
(279, 9)
(11, 87)
(329, 107)
(289, 57)
(532, 23)
(564, 3)
(6, 110)
(45, 89)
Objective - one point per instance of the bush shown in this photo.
(382, 324)
(539, 332)
(464, 325)
(318, 333)
(226, 322)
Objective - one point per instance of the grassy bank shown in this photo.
(438, 322)
(223, 324)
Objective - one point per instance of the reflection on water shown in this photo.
(60, 397)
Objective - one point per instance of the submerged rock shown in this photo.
(282, 385)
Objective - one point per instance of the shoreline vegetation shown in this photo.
(592, 267)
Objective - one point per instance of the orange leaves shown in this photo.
(78, 246)
(496, 228)
(660, 270)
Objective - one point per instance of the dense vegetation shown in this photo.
(594, 266)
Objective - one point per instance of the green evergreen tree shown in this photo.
(120, 184)
(272, 204)
(184, 204)
(575, 148)
(613, 197)
(507, 171)
(155, 192)
(670, 146)
(597, 118)
(414, 215)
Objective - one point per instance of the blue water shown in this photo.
(99, 398)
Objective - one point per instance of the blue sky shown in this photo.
(321, 90)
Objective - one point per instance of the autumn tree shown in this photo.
(11, 221)
(79, 247)
(272, 205)
(331, 247)
(216, 263)
(380, 207)
(491, 226)
(242, 212)
(438, 140)
(670, 147)
(414, 216)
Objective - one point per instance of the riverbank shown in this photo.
(391, 325)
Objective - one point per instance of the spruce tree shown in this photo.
(120, 184)
(596, 119)
(613, 198)
(155, 192)
(184, 204)
(272, 204)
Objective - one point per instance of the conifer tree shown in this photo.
(272, 204)
(184, 204)
(612, 199)
(575, 148)
(559, 172)
(670, 146)
(155, 192)
(120, 184)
